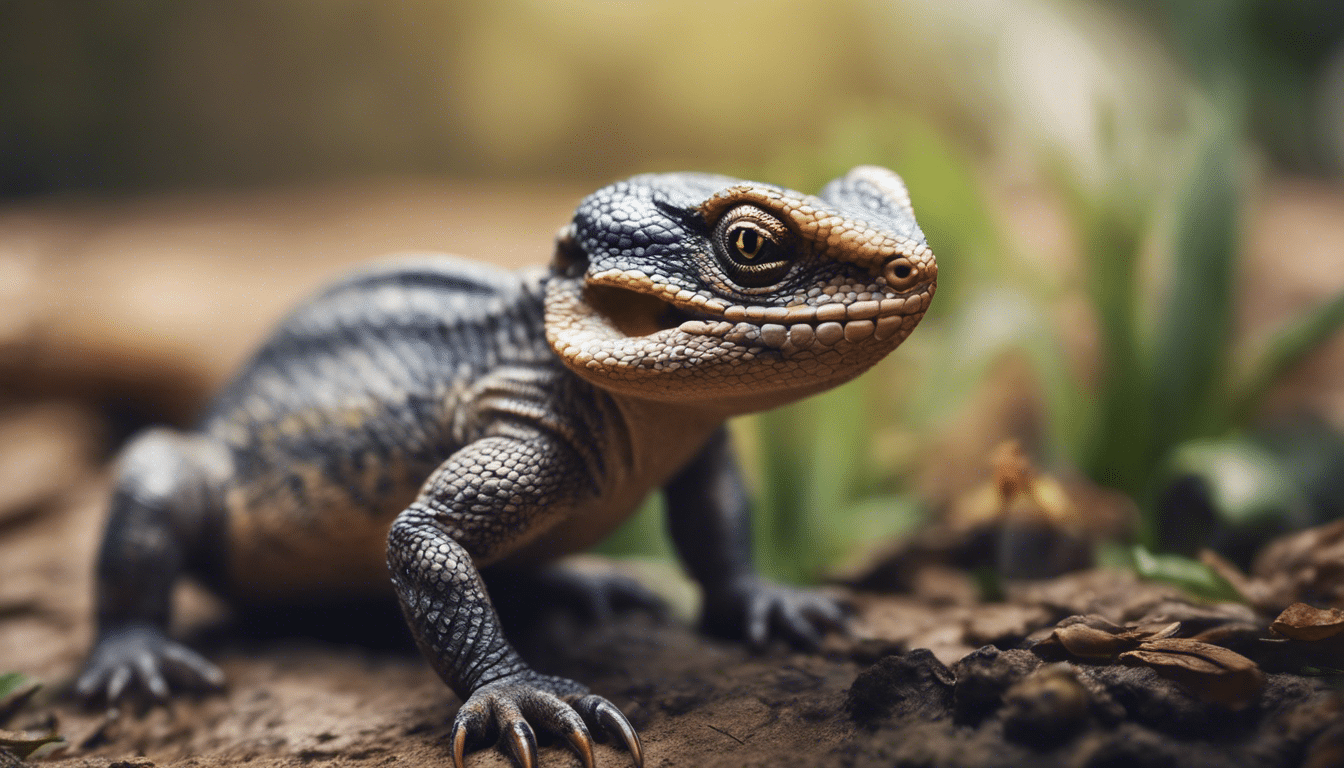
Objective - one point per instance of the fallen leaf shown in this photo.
(25, 743)
(1303, 622)
(1210, 672)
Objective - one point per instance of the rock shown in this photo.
(1046, 708)
(983, 677)
(913, 684)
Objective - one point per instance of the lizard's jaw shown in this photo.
(628, 334)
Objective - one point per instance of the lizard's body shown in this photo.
(461, 346)
(490, 418)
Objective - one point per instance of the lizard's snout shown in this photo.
(903, 273)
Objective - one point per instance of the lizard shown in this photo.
(433, 419)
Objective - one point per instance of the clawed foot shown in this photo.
(558, 706)
(757, 610)
(142, 659)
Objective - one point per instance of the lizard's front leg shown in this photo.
(478, 504)
(709, 518)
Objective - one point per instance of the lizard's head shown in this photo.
(692, 287)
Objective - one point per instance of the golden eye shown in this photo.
(755, 248)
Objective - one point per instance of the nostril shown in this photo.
(899, 272)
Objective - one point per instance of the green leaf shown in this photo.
(1190, 575)
(1293, 342)
(1115, 452)
(11, 682)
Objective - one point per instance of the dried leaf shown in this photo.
(1096, 638)
(1303, 622)
(1210, 672)
(1251, 590)
(1307, 566)
(1086, 642)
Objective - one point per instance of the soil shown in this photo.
(932, 677)
(344, 686)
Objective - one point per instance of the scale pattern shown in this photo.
(434, 417)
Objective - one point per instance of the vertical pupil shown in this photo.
(747, 242)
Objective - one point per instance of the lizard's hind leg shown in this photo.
(166, 517)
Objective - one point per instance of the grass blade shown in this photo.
(1191, 345)
(1299, 338)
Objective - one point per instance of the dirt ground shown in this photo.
(97, 328)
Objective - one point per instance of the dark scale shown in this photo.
(425, 419)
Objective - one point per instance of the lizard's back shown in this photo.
(339, 418)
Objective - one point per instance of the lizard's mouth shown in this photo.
(629, 333)
(637, 314)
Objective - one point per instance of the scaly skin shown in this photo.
(435, 417)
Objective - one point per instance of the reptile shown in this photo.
(439, 420)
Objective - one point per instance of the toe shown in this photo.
(552, 714)
(522, 743)
(90, 683)
(470, 725)
(630, 595)
(758, 623)
(797, 628)
(151, 677)
(603, 716)
(191, 668)
(117, 683)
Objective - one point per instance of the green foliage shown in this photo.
(1172, 386)
(11, 682)
(1161, 244)
(822, 486)
(1163, 388)
(1191, 576)
(818, 495)
(1294, 341)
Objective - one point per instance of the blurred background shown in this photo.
(1136, 207)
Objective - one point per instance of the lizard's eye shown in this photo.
(754, 247)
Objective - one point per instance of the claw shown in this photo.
(522, 743)
(582, 743)
(459, 745)
(613, 722)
